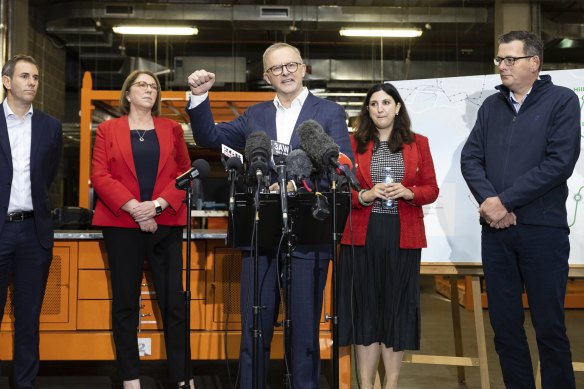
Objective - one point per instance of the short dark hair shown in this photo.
(532, 45)
(365, 129)
(8, 68)
(125, 104)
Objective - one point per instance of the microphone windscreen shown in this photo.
(329, 150)
(298, 164)
(344, 160)
(234, 163)
(317, 144)
(257, 141)
(258, 149)
(309, 135)
(202, 167)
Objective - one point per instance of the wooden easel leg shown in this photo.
(345, 367)
(455, 310)
(480, 332)
(538, 376)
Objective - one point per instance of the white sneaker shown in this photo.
(191, 384)
(133, 384)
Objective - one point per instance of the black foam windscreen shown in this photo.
(298, 164)
(234, 163)
(202, 167)
(317, 144)
(309, 135)
(330, 150)
(258, 150)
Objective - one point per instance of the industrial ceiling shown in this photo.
(456, 34)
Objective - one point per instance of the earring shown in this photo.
(397, 113)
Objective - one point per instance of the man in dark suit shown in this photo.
(30, 152)
(516, 161)
(292, 105)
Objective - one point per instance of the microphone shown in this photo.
(298, 164)
(200, 169)
(233, 166)
(345, 168)
(257, 153)
(279, 153)
(344, 160)
(283, 194)
(321, 149)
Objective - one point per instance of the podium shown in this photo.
(306, 229)
(315, 223)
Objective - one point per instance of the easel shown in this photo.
(475, 271)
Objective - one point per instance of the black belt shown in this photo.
(19, 216)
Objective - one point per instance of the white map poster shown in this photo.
(445, 111)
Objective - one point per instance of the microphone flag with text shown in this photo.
(233, 163)
(258, 153)
(279, 153)
(200, 169)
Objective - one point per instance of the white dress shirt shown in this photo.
(19, 134)
(286, 117)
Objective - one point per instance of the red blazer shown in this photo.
(114, 174)
(419, 177)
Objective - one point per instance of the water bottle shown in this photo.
(388, 179)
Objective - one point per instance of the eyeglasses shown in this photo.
(509, 61)
(292, 67)
(144, 85)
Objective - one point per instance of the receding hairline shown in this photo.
(278, 46)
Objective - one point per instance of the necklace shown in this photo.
(141, 137)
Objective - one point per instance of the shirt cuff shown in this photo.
(197, 100)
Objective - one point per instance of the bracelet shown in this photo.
(361, 201)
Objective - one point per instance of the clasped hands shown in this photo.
(143, 213)
(495, 213)
(384, 191)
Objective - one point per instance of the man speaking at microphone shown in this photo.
(292, 105)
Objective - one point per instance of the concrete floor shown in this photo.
(437, 339)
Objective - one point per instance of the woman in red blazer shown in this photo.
(379, 307)
(136, 159)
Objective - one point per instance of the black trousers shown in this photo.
(24, 261)
(127, 248)
(534, 258)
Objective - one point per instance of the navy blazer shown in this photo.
(45, 156)
(262, 117)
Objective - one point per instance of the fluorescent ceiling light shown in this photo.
(156, 30)
(382, 32)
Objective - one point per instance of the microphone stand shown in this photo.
(287, 325)
(256, 331)
(187, 292)
(334, 317)
(232, 177)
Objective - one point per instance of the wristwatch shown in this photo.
(158, 207)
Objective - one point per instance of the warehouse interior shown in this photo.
(71, 39)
